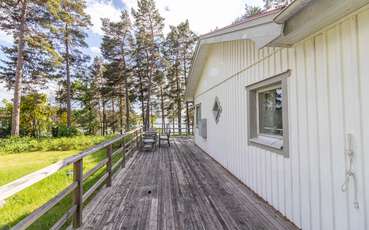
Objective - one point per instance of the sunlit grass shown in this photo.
(13, 166)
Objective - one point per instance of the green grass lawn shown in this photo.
(14, 166)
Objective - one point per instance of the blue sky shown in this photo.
(203, 15)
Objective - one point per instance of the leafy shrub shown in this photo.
(64, 131)
(4, 132)
(28, 144)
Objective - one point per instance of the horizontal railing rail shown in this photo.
(126, 148)
(175, 130)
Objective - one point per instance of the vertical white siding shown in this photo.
(363, 66)
(328, 93)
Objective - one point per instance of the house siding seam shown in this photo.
(328, 93)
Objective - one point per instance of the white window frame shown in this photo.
(275, 143)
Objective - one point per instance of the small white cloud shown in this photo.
(6, 38)
(4, 93)
(98, 10)
(95, 50)
(130, 3)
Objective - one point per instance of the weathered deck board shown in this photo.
(179, 187)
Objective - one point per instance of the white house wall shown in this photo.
(328, 93)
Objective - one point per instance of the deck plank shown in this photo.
(179, 187)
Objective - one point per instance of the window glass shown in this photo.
(198, 114)
(270, 111)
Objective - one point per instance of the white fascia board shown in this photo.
(291, 10)
(261, 35)
(262, 31)
(312, 17)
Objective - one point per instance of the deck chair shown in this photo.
(149, 140)
(164, 137)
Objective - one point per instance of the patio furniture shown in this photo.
(164, 137)
(149, 140)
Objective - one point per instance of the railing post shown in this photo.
(78, 192)
(124, 153)
(109, 165)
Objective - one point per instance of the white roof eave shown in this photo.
(305, 17)
(261, 31)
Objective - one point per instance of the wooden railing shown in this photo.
(128, 143)
(176, 130)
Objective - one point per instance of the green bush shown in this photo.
(64, 131)
(28, 144)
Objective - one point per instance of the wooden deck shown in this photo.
(179, 187)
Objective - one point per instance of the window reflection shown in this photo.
(270, 111)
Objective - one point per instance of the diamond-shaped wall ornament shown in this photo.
(217, 110)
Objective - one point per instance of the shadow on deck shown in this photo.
(179, 187)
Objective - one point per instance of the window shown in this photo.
(217, 110)
(198, 115)
(268, 114)
(270, 111)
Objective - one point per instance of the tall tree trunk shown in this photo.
(162, 109)
(173, 124)
(100, 116)
(179, 103)
(90, 128)
(127, 102)
(151, 115)
(187, 107)
(113, 114)
(147, 120)
(149, 72)
(147, 123)
(67, 68)
(19, 72)
(121, 114)
(104, 118)
(142, 101)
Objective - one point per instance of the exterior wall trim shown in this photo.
(251, 126)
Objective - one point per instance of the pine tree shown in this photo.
(176, 83)
(96, 73)
(38, 68)
(187, 41)
(250, 11)
(179, 46)
(160, 92)
(87, 93)
(116, 49)
(148, 27)
(30, 23)
(270, 4)
(108, 91)
(139, 83)
(71, 34)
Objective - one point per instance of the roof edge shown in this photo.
(291, 10)
(230, 33)
(248, 20)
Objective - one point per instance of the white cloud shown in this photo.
(203, 15)
(98, 10)
(5, 38)
(95, 50)
(4, 93)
